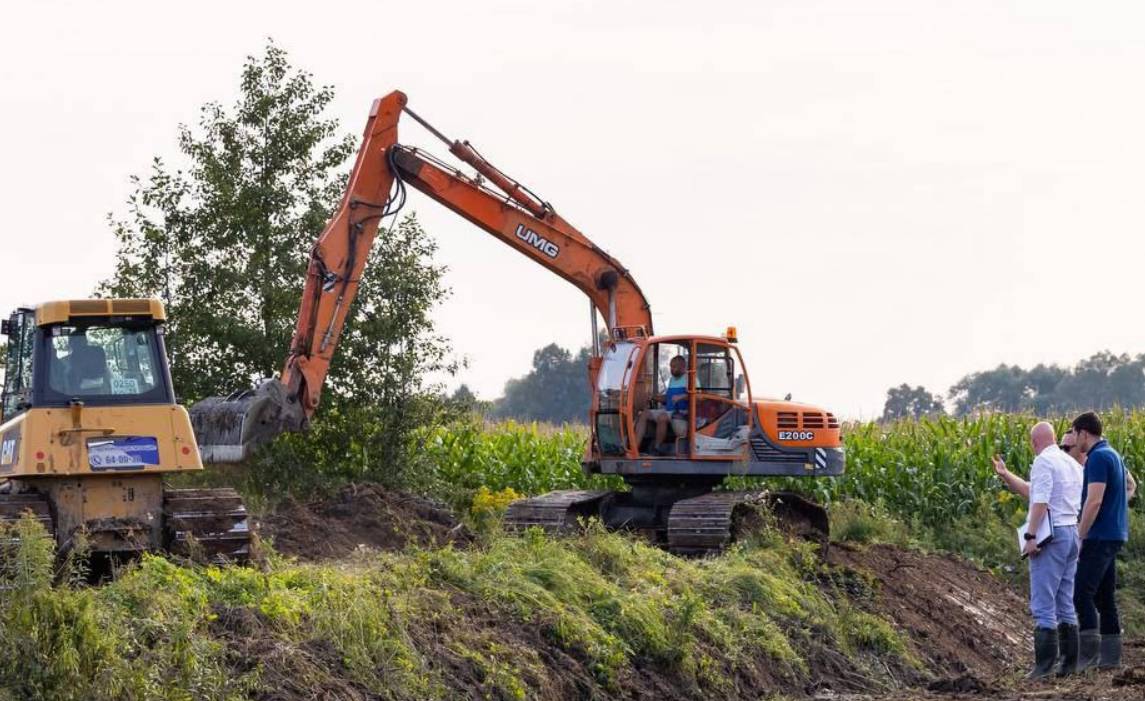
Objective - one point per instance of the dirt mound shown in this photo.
(359, 516)
(972, 632)
(964, 684)
(960, 619)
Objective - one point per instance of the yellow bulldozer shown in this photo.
(90, 428)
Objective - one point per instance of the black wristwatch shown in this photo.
(1029, 536)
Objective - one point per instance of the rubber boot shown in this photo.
(1089, 648)
(1068, 641)
(1110, 656)
(1045, 652)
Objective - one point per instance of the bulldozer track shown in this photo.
(14, 507)
(209, 524)
(555, 512)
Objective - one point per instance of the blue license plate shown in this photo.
(122, 452)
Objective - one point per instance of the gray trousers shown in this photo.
(1052, 573)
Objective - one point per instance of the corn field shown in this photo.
(529, 458)
(934, 470)
(939, 469)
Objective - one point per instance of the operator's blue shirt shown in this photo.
(676, 394)
(1105, 466)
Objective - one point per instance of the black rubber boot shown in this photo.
(1110, 657)
(1068, 641)
(1089, 647)
(1045, 652)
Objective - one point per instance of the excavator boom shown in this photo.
(548, 240)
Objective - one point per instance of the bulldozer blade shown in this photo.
(228, 429)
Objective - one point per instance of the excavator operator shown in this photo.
(674, 413)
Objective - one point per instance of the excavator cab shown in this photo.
(717, 429)
(708, 420)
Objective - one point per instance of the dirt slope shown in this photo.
(969, 630)
(973, 632)
(1127, 684)
(960, 619)
(359, 516)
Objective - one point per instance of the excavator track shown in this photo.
(13, 507)
(555, 512)
(707, 524)
(207, 524)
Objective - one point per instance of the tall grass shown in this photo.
(939, 469)
(934, 471)
(509, 618)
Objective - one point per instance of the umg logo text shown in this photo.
(543, 245)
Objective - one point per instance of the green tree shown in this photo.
(555, 390)
(1101, 381)
(1002, 389)
(905, 401)
(225, 243)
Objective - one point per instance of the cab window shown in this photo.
(715, 370)
(21, 329)
(103, 362)
(614, 370)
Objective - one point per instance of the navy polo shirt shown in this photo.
(1104, 465)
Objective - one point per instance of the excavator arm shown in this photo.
(229, 428)
(540, 234)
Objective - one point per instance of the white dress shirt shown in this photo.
(1056, 479)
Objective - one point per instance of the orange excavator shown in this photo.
(672, 415)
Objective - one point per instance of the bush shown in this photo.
(859, 522)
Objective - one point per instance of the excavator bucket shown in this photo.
(228, 429)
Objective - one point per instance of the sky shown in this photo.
(872, 193)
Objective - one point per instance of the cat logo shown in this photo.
(8, 451)
(532, 238)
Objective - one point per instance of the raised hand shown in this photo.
(999, 465)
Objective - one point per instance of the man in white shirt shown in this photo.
(1054, 489)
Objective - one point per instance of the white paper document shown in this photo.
(1044, 534)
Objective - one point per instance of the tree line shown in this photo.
(554, 390)
(1102, 381)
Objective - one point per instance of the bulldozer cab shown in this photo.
(100, 360)
(91, 426)
(707, 402)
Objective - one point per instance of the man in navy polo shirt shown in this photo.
(1103, 529)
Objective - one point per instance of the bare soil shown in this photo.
(358, 517)
(973, 632)
(1126, 684)
(960, 619)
